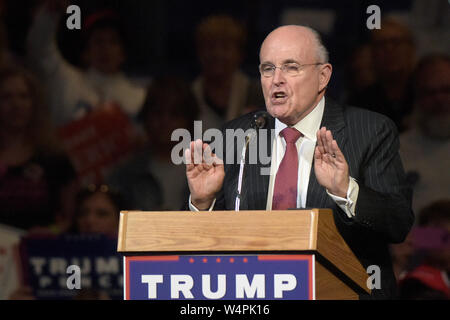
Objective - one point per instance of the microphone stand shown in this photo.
(241, 169)
(259, 122)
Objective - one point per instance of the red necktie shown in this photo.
(286, 180)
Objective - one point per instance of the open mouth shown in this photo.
(279, 94)
(279, 97)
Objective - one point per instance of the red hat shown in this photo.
(429, 276)
(106, 14)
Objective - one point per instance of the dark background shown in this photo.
(161, 32)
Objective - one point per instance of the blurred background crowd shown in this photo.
(86, 116)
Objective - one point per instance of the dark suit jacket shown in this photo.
(383, 214)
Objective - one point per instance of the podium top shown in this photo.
(243, 231)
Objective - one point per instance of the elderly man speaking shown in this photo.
(322, 155)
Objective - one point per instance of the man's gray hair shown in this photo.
(322, 52)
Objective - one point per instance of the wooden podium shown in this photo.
(337, 272)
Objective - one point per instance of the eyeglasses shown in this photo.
(90, 189)
(103, 188)
(291, 68)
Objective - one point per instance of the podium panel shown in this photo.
(211, 255)
(214, 277)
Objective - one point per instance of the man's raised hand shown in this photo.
(330, 166)
(205, 173)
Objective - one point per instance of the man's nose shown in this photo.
(278, 77)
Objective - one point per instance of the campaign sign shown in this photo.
(46, 261)
(97, 142)
(228, 277)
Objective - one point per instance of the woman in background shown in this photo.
(97, 212)
(35, 175)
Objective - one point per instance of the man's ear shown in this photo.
(324, 75)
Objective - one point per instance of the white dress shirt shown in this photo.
(308, 126)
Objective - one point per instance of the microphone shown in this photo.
(259, 121)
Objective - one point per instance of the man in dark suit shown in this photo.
(322, 155)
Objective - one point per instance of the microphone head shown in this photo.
(259, 120)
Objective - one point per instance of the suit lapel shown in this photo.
(333, 120)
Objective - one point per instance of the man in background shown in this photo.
(424, 148)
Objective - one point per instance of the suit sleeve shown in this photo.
(384, 199)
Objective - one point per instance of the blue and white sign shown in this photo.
(46, 260)
(229, 277)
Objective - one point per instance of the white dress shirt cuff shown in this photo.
(194, 208)
(348, 205)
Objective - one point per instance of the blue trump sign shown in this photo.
(46, 260)
(229, 277)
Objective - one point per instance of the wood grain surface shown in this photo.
(259, 231)
(332, 246)
(330, 287)
(214, 231)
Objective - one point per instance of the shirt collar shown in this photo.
(309, 125)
